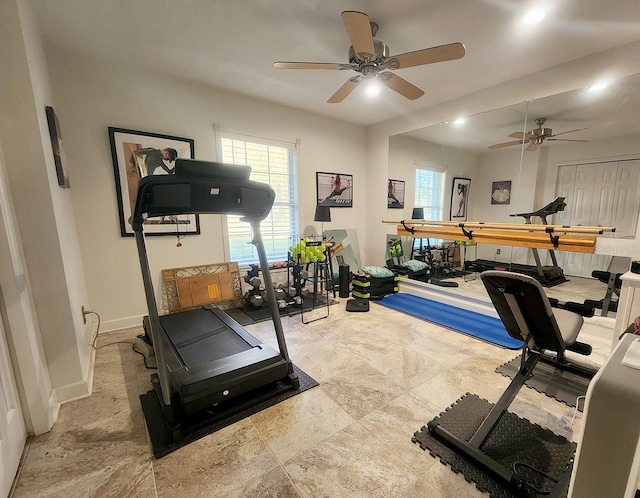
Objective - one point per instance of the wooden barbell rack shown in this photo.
(573, 238)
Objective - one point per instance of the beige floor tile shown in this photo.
(272, 484)
(352, 463)
(298, 423)
(215, 464)
(363, 389)
(90, 461)
(394, 425)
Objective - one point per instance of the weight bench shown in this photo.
(524, 309)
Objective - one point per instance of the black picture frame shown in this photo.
(460, 199)
(501, 192)
(59, 156)
(395, 194)
(137, 154)
(334, 189)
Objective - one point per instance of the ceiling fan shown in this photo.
(370, 58)
(536, 137)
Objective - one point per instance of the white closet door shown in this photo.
(603, 194)
(564, 188)
(626, 205)
(580, 213)
(602, 202)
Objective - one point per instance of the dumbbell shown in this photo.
(282, 303)
(254, 300)
(280, 294)
(304, 292)
(254, 282)
(264, 296)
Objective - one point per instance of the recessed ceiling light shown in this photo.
(598, 86)
(534, 16)
(460, 121)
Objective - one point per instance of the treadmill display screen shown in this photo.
(172, 196)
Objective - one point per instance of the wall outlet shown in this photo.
(498, 252)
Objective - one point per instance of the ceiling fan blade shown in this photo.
(522, 136)
(307, 65)
(570, 131)
(532, 147)
(565, 140)
(506, 144)
(429, 55)
(400, 85)
(345, 90)
(359, 28)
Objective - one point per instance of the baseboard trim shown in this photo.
(78, 390)
(121, 323)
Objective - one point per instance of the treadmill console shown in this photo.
(199, 187)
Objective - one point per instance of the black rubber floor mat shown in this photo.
(248, 314)
(163, 441)
(564, 385)
(514, 441)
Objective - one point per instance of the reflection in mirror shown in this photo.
(580, 145)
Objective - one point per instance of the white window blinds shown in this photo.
(429, 196)
(430, 192)
(273, 163)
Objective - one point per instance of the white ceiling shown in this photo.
(233, 44)
(595, 115)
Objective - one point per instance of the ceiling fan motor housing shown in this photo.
(381, 49)
(541, 132)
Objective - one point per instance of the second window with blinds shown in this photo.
(273, 163)
(429, 196)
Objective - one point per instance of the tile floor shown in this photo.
(382, 376)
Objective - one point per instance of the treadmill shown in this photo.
(547, 275)
(207, 362)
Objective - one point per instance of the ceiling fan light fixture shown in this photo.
(534, 16)
(373, 87)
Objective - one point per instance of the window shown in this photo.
(273, 163)
(429, 192)
(429, 196)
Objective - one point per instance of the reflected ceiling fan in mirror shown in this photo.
(536, 137)
(370, 58)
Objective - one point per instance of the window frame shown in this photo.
(276, 240)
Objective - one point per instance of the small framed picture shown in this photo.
(137, 154)
(395, 194)
(334, 189)
(460, 198)
(59, 156)
(501, 192)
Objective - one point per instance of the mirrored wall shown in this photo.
(588, 153)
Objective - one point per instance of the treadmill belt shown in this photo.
(199, 336)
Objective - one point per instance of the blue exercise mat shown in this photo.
(483, 327)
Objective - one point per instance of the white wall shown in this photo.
(92, 96)
(43, 212)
